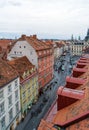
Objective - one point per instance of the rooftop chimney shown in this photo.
(23, 36)
(35, 36)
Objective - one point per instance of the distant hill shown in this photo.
(7, 35)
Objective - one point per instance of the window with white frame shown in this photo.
(16, 94)
(2, 109)
(24, 95)
(17, 107)
(10, 115)
(1, 94)
(9, 89)
(3, 124)
(16, 83)
(9, 101)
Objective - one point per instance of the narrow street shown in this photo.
(39, 109)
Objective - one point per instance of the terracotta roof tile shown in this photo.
(35, 42)
(7, 73)
(21, 64)
(74, 116)
(4, 43)
(46, 126)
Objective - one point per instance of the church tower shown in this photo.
(87, 37)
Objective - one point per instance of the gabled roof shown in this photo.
(7, 73)
(35, 42)
(22, 65)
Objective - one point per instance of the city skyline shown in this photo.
(47, 19)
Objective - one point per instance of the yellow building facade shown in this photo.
(28, 83)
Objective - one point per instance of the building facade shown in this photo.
(77, 47)
(10, 111)
(28, 83)
(39, 54)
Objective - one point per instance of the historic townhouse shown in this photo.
(28, 82)
(39, 54)
(10, 111)
(77, 47)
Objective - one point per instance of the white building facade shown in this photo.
(77, 47)
(10, 113)
(23, 48)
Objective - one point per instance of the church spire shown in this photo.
(87, 36)
(88, 32)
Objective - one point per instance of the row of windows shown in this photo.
(21, 46)
(30, 90)
(10, 103)
(17, 52)
(45, 52)
(3, 120)
(9, 89)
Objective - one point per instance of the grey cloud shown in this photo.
(2, 3)
(13, 3)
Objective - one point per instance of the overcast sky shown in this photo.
(46, 18)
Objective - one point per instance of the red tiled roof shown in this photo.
(4, 43)
(83, 61)
(72, 93)
(7, 73)
(75, 80)
(73, 115)
(21, 64)
(46, 126)
(34, 42)
(79, 69)
(72, 111)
